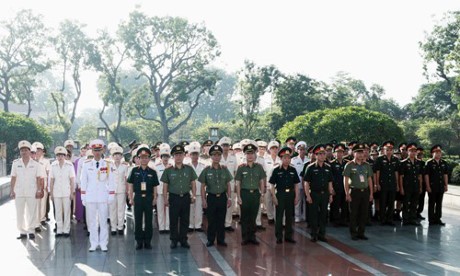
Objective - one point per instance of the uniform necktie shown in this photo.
(97, 165)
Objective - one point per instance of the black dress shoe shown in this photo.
(57, 235)
(38, 229)
(224, 244)
(441, 223)
(363, 237)
(120, 232)
(229, 229)
(162, 231)
(323, 239)
(190, 230)
(173, 245)
(22, 236)
(433, 223)
(113, 233)
(279, 241)
(199, 229)
(355, 238)
(209, 244)
(289, 240)
(31, 236)
(139, 246)
(245, 242)
(260, 227)
(185, 245)
(43, 223)
(147, 245)
(314, 239)
(255, 242)
(420, 217)
(55, 230)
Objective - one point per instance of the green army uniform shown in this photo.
(285, 181)
(216, 182)
(319, 178)
(143, 184)
(411, 172)
(359, 192)
(436, 172)
(179, 186)
(249, 177)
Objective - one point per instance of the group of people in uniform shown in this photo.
(347, 184)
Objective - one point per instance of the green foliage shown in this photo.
(15, 128)
(342, 124)
(437, 132)
(87, 132)
(455, 178)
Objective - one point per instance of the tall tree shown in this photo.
(172, 55)
(253, 82)
(72, 46)
(107, 58)
(441, 49)
(22, 44)
(433, 100)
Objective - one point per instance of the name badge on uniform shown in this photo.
(361, 178)
(143, 186)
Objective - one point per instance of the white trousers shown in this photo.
(96, 217)
(26, 214)
(229, 215)
(163, 214)
(301, 207)
(117, 212)
(269, 207)
(196, 213)
(41, 209)
(62, 208)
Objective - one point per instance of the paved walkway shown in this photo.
(390, 251)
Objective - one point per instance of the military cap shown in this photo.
(339, 147)
(358, 147)
(310, 149)
(319, 148)
(143, 151)
(403, 145)
(261, 143)
(214, 149)
(285, 151)
(436, 148)
(38, 145)
(366, 145)
(352, 143)
(237, 146)
(300, 144)
(396, 151)
(388, 143)
(224, 141)
(184, 143)
(33, 149)
(257, 139)
(69, 143)
(329, 146)
(373, 145)
(97, 144)
(374, 152)
(60, 150)
(111, 145)
(193, 149)
(165, 151)
(250, 148)
(291, 139)
(177, 149)
(207, 143)
(116, 149)
(412, 146)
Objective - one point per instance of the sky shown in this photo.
(375, 41)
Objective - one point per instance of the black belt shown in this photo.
(285, 190)
(217, 195)
(181, 195)
(361, 190)
(251, 191)
(320, 192)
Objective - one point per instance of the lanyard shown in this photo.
(144, 174)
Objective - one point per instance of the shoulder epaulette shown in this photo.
(242, 165)
(88, 160)
(327, 164)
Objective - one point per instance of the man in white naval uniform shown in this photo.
(118, 205)
(298, 163)
(229, 160)
(196, 208)
(97, 190)
(162, 210)
(272, 161)
(42, 203)
(27, 189)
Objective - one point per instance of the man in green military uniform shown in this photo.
(215, 181)
(358, 182)
(179, 181)
(319, 191)
(436, 171)
(284, 180)
(250, 187)
(410, 185)
(339, 206)
(142, 182)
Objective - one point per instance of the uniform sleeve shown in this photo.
(83, 181)
(307, 176)
(273, 179)
(71, 174)
(427, 168)
(377, 164)
(262, 173)
(370, 170)
(164, 177)
(402, 168)
(331, 177)
(296, 178)
(238, 174)
(446, 168)
(41, 172)
(229, 175)
(193, 177)
(304, 170)
(13, 170)
(347, 170)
